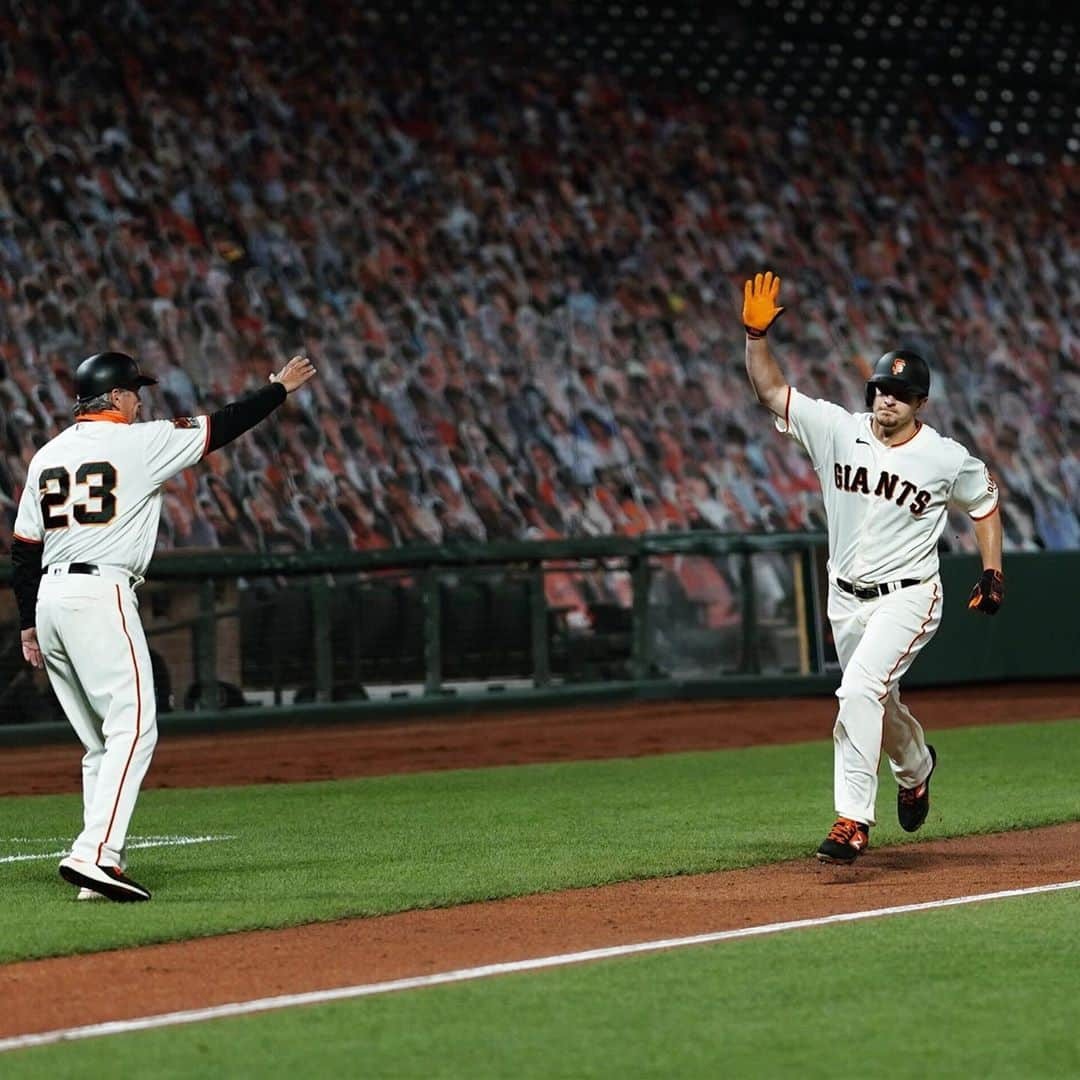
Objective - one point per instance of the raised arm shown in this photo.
(760, 311)
(237, 417)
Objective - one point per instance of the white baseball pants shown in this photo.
(98, 663)
(877, 641)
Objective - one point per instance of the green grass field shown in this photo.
(311, 852)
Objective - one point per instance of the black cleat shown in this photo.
(913, 804)
(846, 841)
(110, 881)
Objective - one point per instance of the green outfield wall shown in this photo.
(249, 639)
(1035, 635)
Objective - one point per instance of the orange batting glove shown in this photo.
(759, 310)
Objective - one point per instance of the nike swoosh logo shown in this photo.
(863, 441)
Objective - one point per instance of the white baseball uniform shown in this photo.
(886, 508)
(93, 499)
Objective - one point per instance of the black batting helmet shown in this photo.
(902, 370)
(105, 371)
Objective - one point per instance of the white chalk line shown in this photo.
(132, 845)
(417, 982)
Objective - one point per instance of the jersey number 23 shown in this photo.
(100, 505)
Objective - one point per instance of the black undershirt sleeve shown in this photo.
(240, 416)
(25, 578)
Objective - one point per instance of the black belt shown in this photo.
(870, 592)
(83, 568)
(88, 568)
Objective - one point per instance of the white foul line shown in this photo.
(416, 982)
(133, 845)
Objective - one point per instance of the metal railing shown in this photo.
(466, 620)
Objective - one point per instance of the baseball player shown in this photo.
(887, 480)
(84, 535)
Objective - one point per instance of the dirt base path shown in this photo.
(240, 967)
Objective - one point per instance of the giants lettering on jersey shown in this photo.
(888, 486)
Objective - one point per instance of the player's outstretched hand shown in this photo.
(30, 649)
(989, 592)
(760, 310)
(295, 373)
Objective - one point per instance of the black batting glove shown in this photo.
(988, 594)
